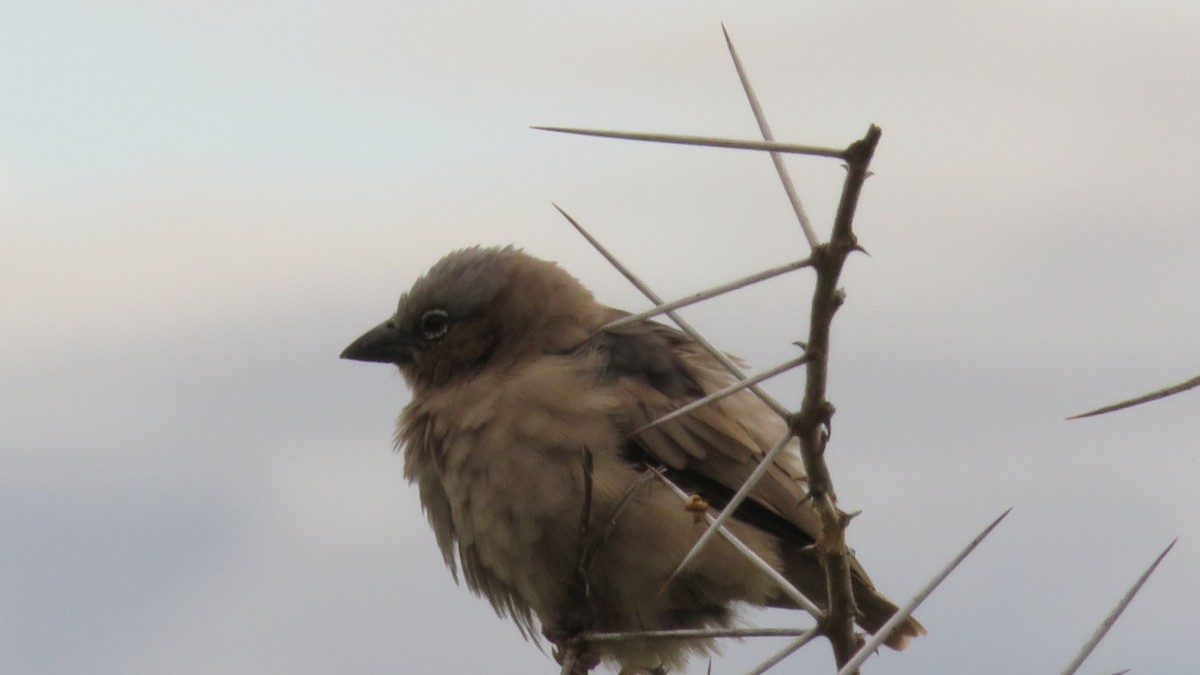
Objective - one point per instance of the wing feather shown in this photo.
(656, 370)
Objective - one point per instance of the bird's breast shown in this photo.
(507, 450)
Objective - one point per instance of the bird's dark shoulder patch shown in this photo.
(646, 351)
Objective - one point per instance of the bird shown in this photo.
(529, 437)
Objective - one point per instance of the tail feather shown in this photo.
(804, 570)
(875, 610)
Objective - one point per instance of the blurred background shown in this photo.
(201, 204)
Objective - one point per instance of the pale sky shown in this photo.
(200, 206)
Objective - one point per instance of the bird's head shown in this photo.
(480, 308)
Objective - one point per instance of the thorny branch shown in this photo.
(812, 423)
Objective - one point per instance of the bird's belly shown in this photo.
(517, 519)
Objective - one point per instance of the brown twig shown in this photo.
(812, 423)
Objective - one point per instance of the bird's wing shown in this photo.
(711, 451)
(655, 370)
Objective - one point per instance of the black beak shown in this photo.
(384, 343)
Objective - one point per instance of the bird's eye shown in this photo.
(434, 324)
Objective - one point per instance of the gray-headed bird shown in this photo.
(526, 419)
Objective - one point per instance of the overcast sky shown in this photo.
(201, 204)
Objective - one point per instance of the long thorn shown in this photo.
(764, 465)
(726, 392)
(786, 586)
(776, 158)
(679, 321)
(707, 141)
(787, 651)
(906, 611)
(1116, 613)
(696, 633)
(710, 293)
(1145, 398)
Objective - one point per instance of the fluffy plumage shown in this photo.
(511, 381)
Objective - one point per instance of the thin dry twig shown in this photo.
(622, 503)
(1115, 613)
(1144, 398)
(585, 516)
(811, 424)
(572, 652)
